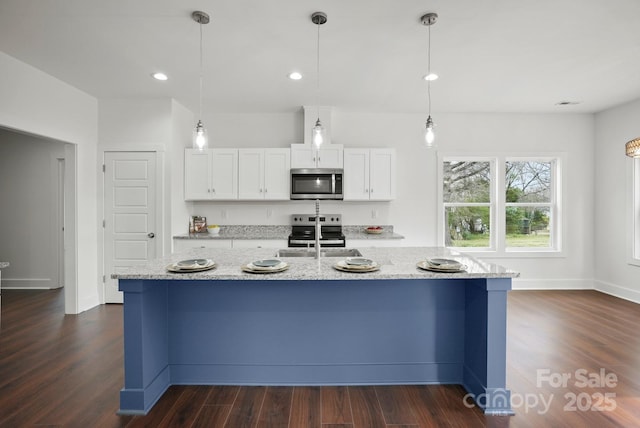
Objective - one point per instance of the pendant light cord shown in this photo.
(318, 72)
(429, 67)
(200, 24)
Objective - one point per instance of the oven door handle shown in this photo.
(312, 243)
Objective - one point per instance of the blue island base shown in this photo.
(315, 332)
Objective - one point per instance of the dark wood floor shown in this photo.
(66, 371)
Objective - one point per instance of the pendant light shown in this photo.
(200, 138)
(429, 136)
(318, 131)
(632, 148)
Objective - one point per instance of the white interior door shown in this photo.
(129, 214)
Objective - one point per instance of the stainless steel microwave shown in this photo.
(316, 183)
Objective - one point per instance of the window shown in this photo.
(528, 204)
(468, 203)
(500, 204)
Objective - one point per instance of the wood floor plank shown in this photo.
(336, 406)
(395, 405)
(222, 395)
(276, 407)
(187, 406)
(305, 407)
(365, 407)
(246, 408)
(212, 415)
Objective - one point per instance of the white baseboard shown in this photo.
(552, 284)
(618, 291)
(29, 284)
(88, 302)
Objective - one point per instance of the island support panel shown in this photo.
(314, 332)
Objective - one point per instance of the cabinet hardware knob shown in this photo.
(151, 235)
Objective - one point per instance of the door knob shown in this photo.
(151, 235)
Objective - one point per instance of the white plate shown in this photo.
(254, 269)
(358, 261)
(343, 266)
(269, 263)
(427, 266)
(173, 267)
(193, 263)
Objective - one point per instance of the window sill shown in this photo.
(521, 254)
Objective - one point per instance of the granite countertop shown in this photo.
(395, 263)
(4, 264)
(282, 232)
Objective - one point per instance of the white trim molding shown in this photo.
(618, 291)
(553, 284)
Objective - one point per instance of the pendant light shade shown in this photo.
(632, 148)
(429, 136)
(200, 137)
(318, 131)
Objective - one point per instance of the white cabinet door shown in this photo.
(210, 174)
(302, 156)
(369, 174)
(356, 174)
(382, 174)
(224, 174)
(264, 174)
(197, 174)
(277, 175)
(251, 174)
(330, 156)
(306, 156)
(261, 243)
(185, 244)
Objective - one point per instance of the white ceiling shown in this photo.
(491, 55)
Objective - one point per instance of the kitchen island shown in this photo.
(315, 325)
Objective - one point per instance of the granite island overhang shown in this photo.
(315, 325)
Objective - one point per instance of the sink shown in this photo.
(324, 252)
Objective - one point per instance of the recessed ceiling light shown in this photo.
(568, 103)
(295, 75)
(159, 76)
(430, 77)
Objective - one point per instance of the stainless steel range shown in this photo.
(303, 231)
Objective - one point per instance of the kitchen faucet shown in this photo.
(318, 229)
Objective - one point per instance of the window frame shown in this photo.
(498, 245)
(634, 214)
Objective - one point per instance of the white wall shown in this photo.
(614, 127)
(28, 209)
(36, 103)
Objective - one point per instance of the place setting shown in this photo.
(191, 266)
(357, 264)
(442, 265)
(265, 266)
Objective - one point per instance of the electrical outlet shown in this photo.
(269, 212)
(223, 214)
(374, 213)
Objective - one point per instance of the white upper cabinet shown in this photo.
(264, 174)
(369, 174)
(307, 156)
(210, 174)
